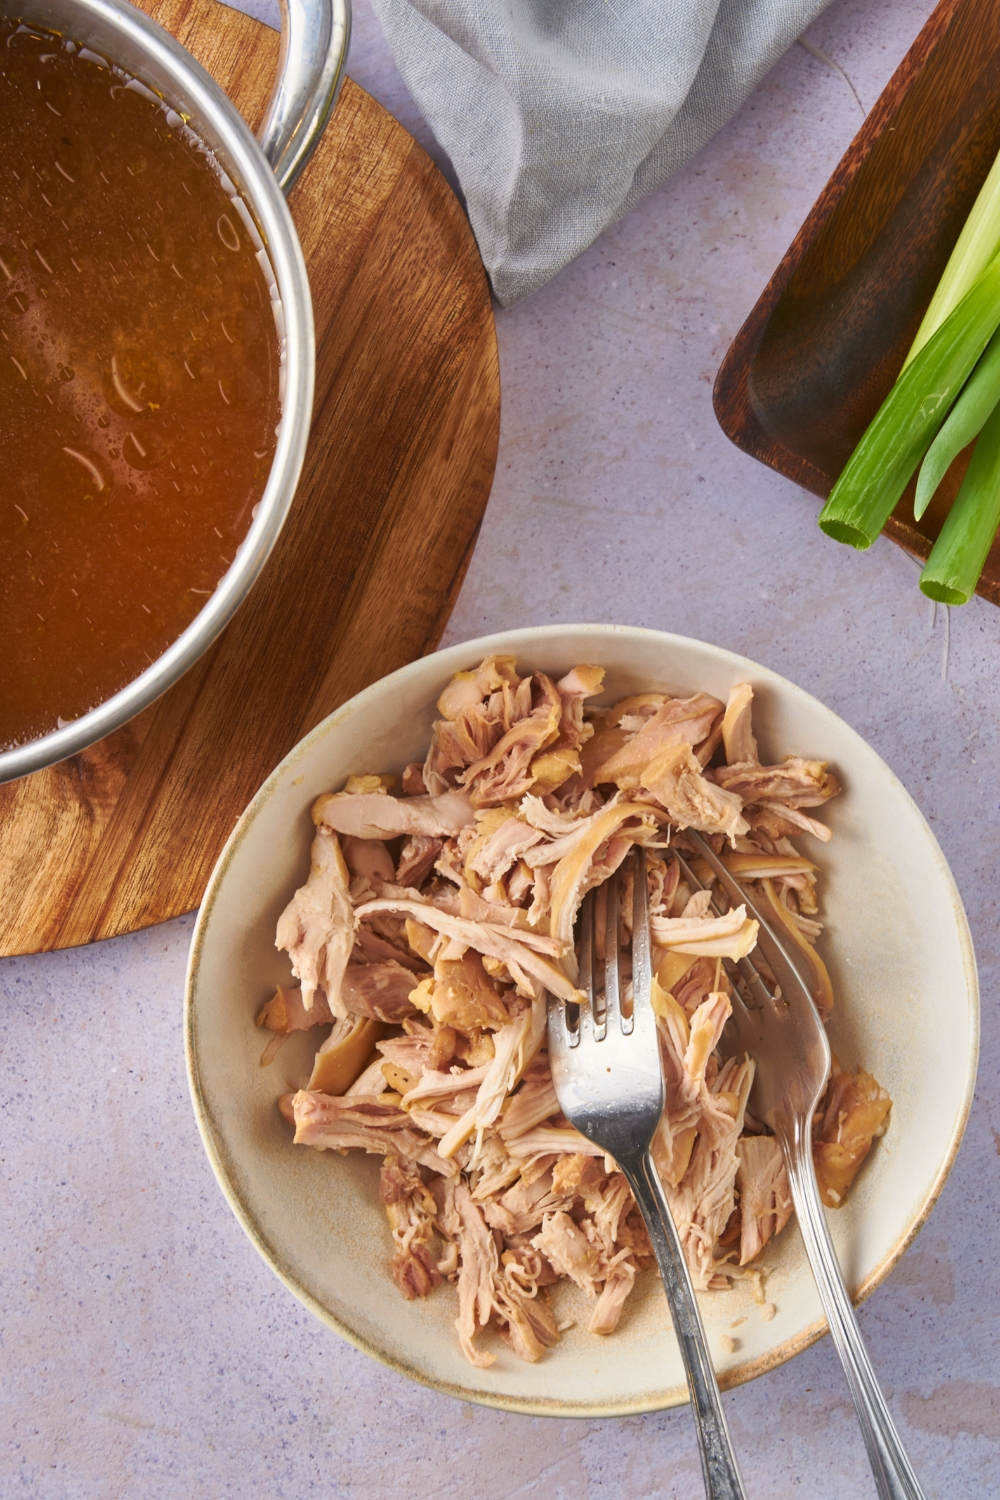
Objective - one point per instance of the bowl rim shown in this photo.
(452, 659)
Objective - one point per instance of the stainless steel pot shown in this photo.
(314, 41)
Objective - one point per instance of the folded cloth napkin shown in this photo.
(559, 115)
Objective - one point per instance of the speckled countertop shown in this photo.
(146, 1350)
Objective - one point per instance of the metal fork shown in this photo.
(607, 1077)
(782, 1032)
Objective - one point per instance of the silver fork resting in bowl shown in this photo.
(782, 1031)
(608, 1080)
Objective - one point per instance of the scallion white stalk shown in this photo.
(976, 246)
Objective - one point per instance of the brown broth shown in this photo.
(139, 380)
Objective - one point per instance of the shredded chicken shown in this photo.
(852, 1114)
(317, 926)
(765, 1197)
(433, 928)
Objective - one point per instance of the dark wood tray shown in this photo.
(820, 350)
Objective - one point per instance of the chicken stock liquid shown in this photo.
(139, 379)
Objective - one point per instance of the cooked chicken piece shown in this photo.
(765, 1197)
(344, 1055)
(733, 935)
(569, 1251)
(755, 865)
(438, 1086)
(529, 1321)
(538, 911)
(522, 1207)
(474, 908)
(411, 1211)
(706, 749)
(355, 1121)
(534, 1102)
(494, 1169)
(572, 876)
(368, 857)
(574, 689)
(778, 819)
(553, 768)
(684, 1049)
(576, 1174)
(285, 1012)
(706, 1030)
(737, 732)
(478, 1265)
(417, 860)
(412, 780)
(795, 783)
(681, 721)
(698, 905)
(492, 856)
(704, 1200)
(542, 1139)
(519, 882)
(534, 810)
(607, 741)
(373, 948)
(619, 1282)
(371, 1081)
(852, 1114)
(607, 1199)
(411, 1054)
(375, 816)
(461, 996)
(694, 986)
(525, 954)
(515, 1047)
(674, 777)
(437, 1119)
(380, 991)
(505, 773)
(316, 929)
(464, 740)
(423, 940)
(466, 689)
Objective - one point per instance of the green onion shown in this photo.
(956, 562)
(974, 249)
(908, 420)
(979, 396)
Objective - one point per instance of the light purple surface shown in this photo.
(147, 1351)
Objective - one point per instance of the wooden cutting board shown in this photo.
(364, 575)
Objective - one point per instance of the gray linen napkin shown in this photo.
(559, 115)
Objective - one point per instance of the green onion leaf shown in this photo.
(956, 562)
(909, 418)
(974, 249)
(980, 395)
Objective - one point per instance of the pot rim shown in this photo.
(224, 131)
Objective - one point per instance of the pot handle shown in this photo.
(314, 39)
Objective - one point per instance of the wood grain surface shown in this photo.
(363, 577)
(828, 336)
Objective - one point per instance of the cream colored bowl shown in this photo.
(897, 945)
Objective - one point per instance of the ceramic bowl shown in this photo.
(899, 953)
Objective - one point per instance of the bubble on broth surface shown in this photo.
(227, 232)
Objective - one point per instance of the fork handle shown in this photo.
(894, 1478)
(718, 1460)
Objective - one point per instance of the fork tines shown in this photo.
(784, 965)
(610, 1002)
